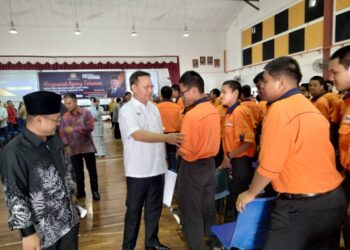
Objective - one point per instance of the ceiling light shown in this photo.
(133, 32)
(77, 30)
(12, 30)
(186, 33)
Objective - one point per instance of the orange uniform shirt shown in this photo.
(180, 102)
(296, 152)
(239, 128)
(254, 108)
(201, 130)
(170, 113)
(263, 107)
(344, 133)
(217, 102)
(334, 101)
(321, 103)
(222, 111)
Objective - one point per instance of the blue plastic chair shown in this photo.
(251, 228)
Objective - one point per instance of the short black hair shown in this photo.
(284, 65)
(70, 95)
(192, 79)
(216, 92)
(135, 76)
(318, 78)
(246, 91)
(175, 87)
(343, 54)
(259, 77)
(119, 100)
(234, 85)
(166, 92)
(305, 85)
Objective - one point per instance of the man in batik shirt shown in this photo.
(37, 181)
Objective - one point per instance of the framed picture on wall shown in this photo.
(202, 60)
(194, 63)
(217, 63)
(209, 60)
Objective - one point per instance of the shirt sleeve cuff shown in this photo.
(267, 173)
(27, 231)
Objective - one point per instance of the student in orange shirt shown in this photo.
(239, 140)
(196, 175)
(317, 91)
(258, 81)
(170, 114)
(176, 95)
(299, 160)
(214, 97)
(249, 101)
(340, 73)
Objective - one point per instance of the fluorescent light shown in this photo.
(186, 33)
(12, 30)
(133, 31)
(77, 30)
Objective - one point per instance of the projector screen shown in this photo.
(15, 84)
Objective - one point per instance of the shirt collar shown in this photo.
(346, 96)
(199, 101)
(314, 99)
(232, 108)
(289, 93)
(139, 104)
(33, 138)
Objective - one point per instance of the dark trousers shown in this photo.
(116, 130)
(196, 195)
(171, 156)
(147, 193)
(78, 165)
(307, 223)
(346, 224)
(242, 175)
(69, 241)
(220, 156)
(4, 132)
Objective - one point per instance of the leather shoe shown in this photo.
(96, 196)
(158, 247)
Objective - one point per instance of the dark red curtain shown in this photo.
(174, 69)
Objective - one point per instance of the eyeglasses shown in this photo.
(183, 93)
(58, 120)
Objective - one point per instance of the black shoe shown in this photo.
(96, 196)
(158, 247)
(80, 195)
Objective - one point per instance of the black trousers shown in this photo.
(196, 196)
(242, 175)
(308, 223)
(68, 242)
(346, 224)
(147, 193)
(116, 130)
(78, 165)
(4, 132)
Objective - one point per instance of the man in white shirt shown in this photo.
(144, 162)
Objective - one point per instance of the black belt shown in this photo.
(289, 196)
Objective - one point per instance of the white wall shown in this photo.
(234, 38)
(94, 42)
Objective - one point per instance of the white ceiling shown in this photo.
(202, 15)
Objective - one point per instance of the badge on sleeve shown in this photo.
(346, 119)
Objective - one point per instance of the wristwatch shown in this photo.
(24, 232)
